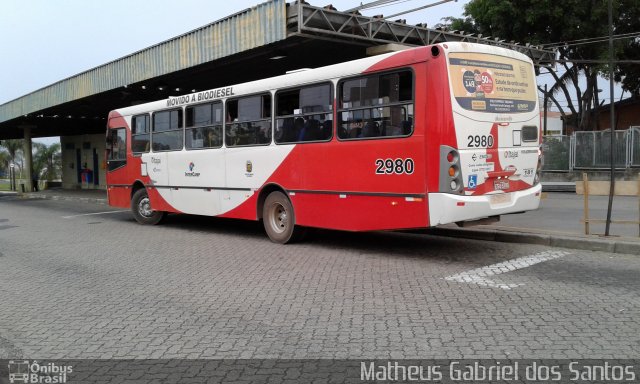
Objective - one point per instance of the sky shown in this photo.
(44, 41)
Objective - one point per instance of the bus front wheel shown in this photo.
(279, 219)
(142, 211)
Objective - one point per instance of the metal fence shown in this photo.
(634, 147)
(591, 150)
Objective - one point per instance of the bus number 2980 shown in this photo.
(394, 166)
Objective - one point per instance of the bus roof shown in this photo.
(301, 77)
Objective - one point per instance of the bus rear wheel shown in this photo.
(142, 211)
(279, 219)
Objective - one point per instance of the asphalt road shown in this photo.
(85, 281)
(562, 212)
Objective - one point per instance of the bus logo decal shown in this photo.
(191, 173)
(510, 154)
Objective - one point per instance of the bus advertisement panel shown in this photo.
(490, 83)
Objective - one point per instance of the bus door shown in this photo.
(197, 178)
(197, 173)
(248, 158)
(117, 171)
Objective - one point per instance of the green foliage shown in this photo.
(556, 154)
(10, 152)
(549, 22)
(456, 24)
(13, 147)
(47, 163)
(629, 74)
(4, 162)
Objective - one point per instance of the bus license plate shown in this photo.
(501, 185)
(501, 198)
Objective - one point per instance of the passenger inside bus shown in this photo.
(371, 129)
(298, 128)
(212, 139)
(286, 132)
(327, 127)
(310, 130)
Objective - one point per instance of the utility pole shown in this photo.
(612, 121)
(546, 102)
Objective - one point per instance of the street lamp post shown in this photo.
(12, 176)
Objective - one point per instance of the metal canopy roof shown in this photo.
(254, 27)
(223, 52)
(307, 20)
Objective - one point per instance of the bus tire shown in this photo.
(142, 211)
(279, 219)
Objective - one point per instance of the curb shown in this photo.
(91, 200)
(584, 243)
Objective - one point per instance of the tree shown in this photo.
(14, 148)
(629, 73)
(568, 21)
(46, 161)
(4, 163)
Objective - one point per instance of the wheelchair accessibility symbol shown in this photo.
(473, 181)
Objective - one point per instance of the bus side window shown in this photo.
(140, 134)
(167, 133)
(376, 106)
(203, 126)
(250, 121)
(304, 114)
(116, 148)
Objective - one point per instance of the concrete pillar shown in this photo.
(28, 158)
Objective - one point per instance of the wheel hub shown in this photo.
(279, 218)
(144, 207)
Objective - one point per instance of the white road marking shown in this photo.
(95, 213)
(479, 275)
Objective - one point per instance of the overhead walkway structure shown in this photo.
(265, 40)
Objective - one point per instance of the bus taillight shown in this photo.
(450, 175)
(536, 180)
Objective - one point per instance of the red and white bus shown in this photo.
(447, 133)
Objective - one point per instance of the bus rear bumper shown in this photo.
(447, 208)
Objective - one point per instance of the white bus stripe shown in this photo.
(479, 275)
